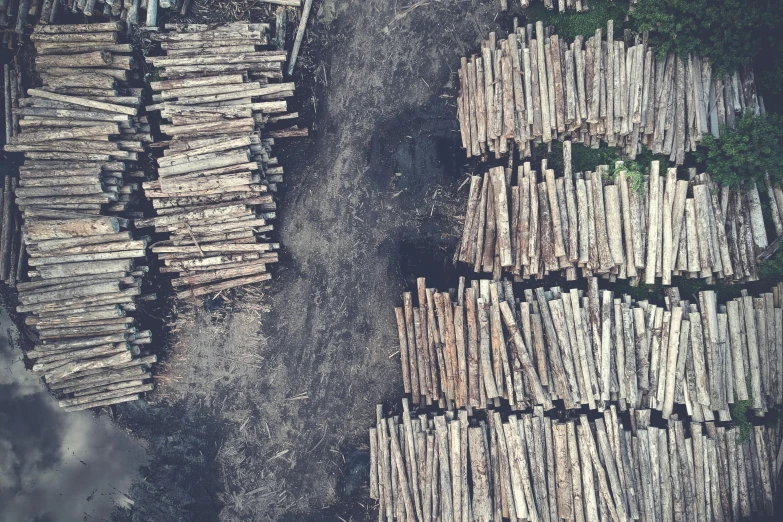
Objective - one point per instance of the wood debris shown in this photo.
(590, 348)
(80, 138)
(216, 177)
(532, 88)
(614, 223)
(532, 467)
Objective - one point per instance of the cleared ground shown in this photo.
(265, 400)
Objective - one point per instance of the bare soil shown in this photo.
(266, 394)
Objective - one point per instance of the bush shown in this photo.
(753, 147)
(571, 24)
(731, 33)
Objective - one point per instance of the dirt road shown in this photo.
(266, 400)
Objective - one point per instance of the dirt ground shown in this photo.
(265, 396)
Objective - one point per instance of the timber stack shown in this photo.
(141, 13)
(80, 136)
(589, 349)
(562, 6)
(533, 467)
(215, 180)
(533, 88)
(615, 223)
(14, 15)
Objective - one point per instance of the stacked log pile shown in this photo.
(533, 87)
(614, 223)
(80, 135)
(588, 349)
(532, 467)
(216, 174)
(562, 6)
(14, 15)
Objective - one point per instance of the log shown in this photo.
(299, 35)
(83, 102)
(224, 285)
(105, 402)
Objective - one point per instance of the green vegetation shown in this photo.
(635, 174)
(739, 414)
(731, 33)
(753, 147)
(582, 158)
(771, 270)
(571, 24)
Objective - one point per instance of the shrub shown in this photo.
(753, 147)
(571, 24)
(731, 33)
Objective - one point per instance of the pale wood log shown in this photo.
(74, 367)
(478, 88)
(216, 287)
(591, 505)
(374, 464)
(599, 217)
(79, 258)
(753, 352)
(614, 224)
(78, 269)
(543, 90)
(550, 464)
(692, 236)
(671, 361)
(562, 342)
(534, 248)
(497, 177)
(583, 226)
(756, 218)
(587, 442)
(499, 346)
(654, 209)
(521, 353)
(565, 500)
(520, 479)
(108, 387)
(102, 377)
(554, 208)
(84, 102)
(104, 402)
(76, 331)
(96, 397)
(485, 363)
(481, 502)
(48, 361)
(412, 358)
(31, 137)
(220, 274)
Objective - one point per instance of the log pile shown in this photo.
(534, 88)
(614, 223)
(590, 348)
(80, 136)
(215, 178)
(533, 467)
(14, 15)
(562, 6)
